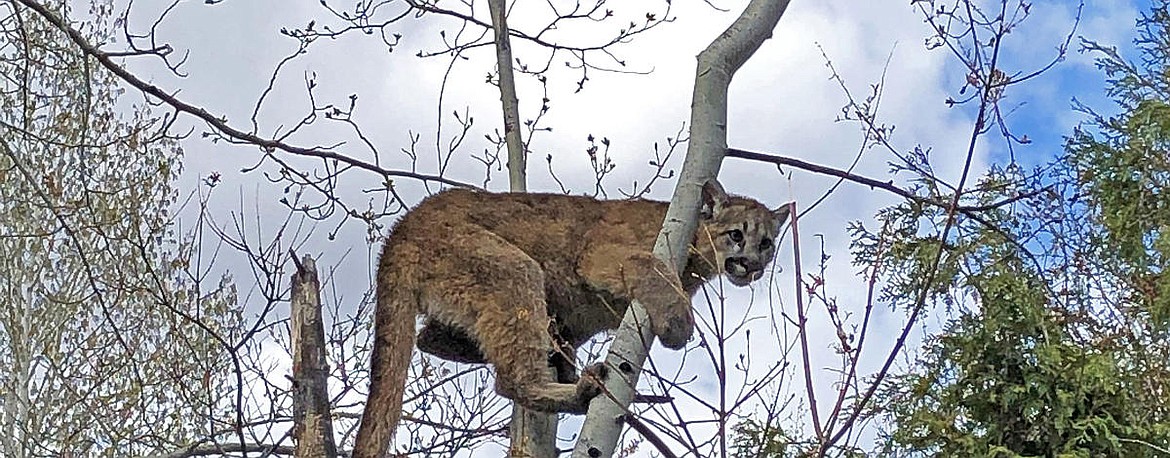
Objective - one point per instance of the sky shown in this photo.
(782, 101)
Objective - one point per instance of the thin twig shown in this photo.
(215, 122)
(986, 103)
(801, 324)
(1147, 444)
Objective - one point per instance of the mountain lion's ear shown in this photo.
(781, 213)
(714, 198)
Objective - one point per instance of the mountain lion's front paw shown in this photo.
(674, 329)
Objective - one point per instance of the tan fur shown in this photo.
(489, 271)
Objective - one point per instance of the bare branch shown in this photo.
(646, 432)
(219, 124)
(987, 101)
(517, 155)
(220, 449)
(967, 210)
(802, 324)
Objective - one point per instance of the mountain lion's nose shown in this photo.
(743, 267)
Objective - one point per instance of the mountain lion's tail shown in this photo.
(393, 344)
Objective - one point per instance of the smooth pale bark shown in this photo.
(312, 422)
(517, 159)
(533, 434)
(708, 144)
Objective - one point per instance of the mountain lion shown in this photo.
(510, 279)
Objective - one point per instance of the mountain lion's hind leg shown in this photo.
(448, 342)
(453, 344)
(496, 291)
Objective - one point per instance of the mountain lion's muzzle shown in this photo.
(742, 271)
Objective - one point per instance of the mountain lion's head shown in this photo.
(736, 235)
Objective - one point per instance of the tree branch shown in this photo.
(533, 434)
(1157, 448)
(218, 123)
(647, 433)
(517, 156)
(708, 145)
(966, 210)
(802, 323)
(220, 449)
(986, 102)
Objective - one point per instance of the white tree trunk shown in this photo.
(16, 402)
(708, 144)
(533, 434)
(517, 159)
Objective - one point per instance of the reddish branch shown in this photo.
(802, 320)
(865, 321)
(987, 102)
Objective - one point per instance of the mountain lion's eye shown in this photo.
(765, 244)
(736, 235)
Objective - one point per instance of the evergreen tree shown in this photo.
(1064, 352)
